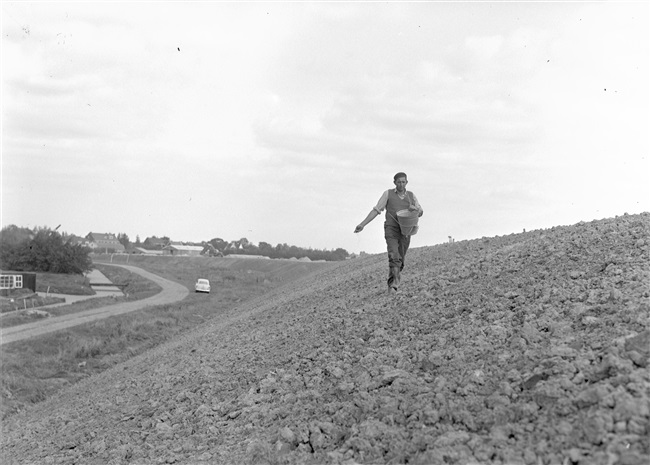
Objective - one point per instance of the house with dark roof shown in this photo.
(103, 243)
(154, 243)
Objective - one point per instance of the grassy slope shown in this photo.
(72, 284)
(57, 283)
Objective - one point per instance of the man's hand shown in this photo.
(359, 228)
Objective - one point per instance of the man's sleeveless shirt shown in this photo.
(396, 204)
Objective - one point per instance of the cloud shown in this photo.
(422, 92)
(485, 48)
(293, 117)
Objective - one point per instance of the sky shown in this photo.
(284, 122)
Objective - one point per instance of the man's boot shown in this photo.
(394, 271)
(392, 285)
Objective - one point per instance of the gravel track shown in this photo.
(524, 349)
(171, 292)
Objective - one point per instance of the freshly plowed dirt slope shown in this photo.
(525, 349)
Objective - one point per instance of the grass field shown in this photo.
(186, 270)
(34, 369)
(22, 299)
(135, 288)
(16, 302)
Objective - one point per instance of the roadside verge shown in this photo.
(171, 292)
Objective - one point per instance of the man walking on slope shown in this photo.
(394, 200)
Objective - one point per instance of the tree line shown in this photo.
(221, 247)
(45, 249)
(245, 247)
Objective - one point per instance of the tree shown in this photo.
(340, 254)
(252, 249)
(46, 251)
(10, 238)
(266, 249)
(124, 240)
(154, 243)
(282, 251)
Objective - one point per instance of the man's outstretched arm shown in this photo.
(371, 216)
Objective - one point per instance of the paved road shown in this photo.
(171, 292)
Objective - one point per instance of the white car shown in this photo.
(202, 285)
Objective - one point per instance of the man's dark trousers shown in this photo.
(397, 244)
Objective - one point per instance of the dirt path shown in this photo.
(171, 292)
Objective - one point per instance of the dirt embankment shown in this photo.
(525, 349)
